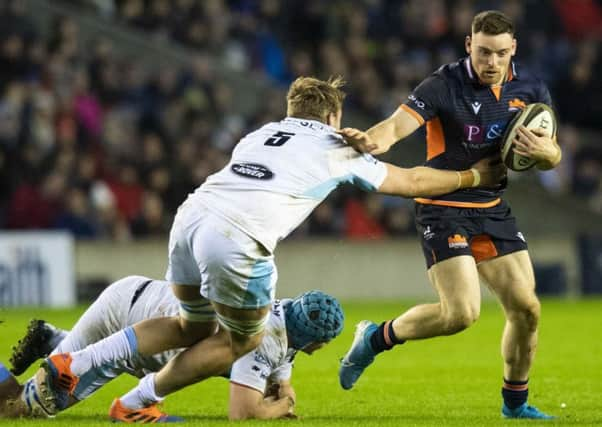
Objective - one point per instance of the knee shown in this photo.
(193, 332)
(460, 318)
(527, 314)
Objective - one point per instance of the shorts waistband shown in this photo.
(455, 204)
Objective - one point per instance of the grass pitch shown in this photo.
(451, 381)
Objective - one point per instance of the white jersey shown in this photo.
(136, 298)
(278, 174)
(122, 304)
(272, 361)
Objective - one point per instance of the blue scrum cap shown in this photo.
(313, 317)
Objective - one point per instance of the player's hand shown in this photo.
(537, 144)
(361, 141)
(287, 391)
(492, 171)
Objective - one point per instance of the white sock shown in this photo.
(142, 395)
(121, 345)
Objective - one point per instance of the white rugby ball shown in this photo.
(533, 116)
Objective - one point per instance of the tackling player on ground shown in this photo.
(260, 382)
(221, 247)
(467, 233)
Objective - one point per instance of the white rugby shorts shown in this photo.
(230, 267)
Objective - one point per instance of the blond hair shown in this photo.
(311, 98)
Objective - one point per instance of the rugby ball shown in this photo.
(533, 116)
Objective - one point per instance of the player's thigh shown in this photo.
(456, 280)
(511, 279)
(244, 326)
(106, 315)
(196, 313)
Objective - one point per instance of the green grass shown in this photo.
(445, 381)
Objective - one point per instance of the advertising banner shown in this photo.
(36, 269)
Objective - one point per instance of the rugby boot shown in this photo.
(148, 414)
(525, 411)
(33, 346)
(359, 356)
(60, 381)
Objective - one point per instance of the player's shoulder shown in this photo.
(526, 75)
(451, 71)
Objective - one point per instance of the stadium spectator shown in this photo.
(61, 92)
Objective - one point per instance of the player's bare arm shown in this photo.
(380, 137)
(422, 181)
(248, 403)
(539, 145)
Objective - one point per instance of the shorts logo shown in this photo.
(516, 104)
(252, 170)
(457, 242)
(428, 234)
(417, 102)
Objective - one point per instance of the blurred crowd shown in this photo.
(106, 147)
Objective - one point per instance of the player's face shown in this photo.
(491, 55)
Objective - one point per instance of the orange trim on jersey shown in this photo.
(435, 141)
(497, 91)
(482, 248)
(455, 204)
(413, 113)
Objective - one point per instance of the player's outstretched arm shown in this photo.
(423, 181)
(380, 137)
(247, 403)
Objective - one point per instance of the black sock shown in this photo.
(384, 337)
(515, 393)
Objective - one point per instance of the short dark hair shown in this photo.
(492, 22)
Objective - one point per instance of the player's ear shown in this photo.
(513, 47)
(467, 44)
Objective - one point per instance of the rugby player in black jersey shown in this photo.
(469, 233)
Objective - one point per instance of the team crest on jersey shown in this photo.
(516, 104)
(252, 170)
(457, 241)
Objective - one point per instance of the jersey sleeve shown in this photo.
(427, 99)
(251, 370)
(362, 170)
(282, 373)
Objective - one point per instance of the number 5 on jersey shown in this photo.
(278, 139)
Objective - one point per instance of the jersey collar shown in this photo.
(312, 124)
(472, 75)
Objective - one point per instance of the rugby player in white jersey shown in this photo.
(260, 381)
(222, 242)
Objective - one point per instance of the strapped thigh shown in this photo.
(198, 310)
(243, 327)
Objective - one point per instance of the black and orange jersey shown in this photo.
(465, 121)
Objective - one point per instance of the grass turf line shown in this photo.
(445, 381)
